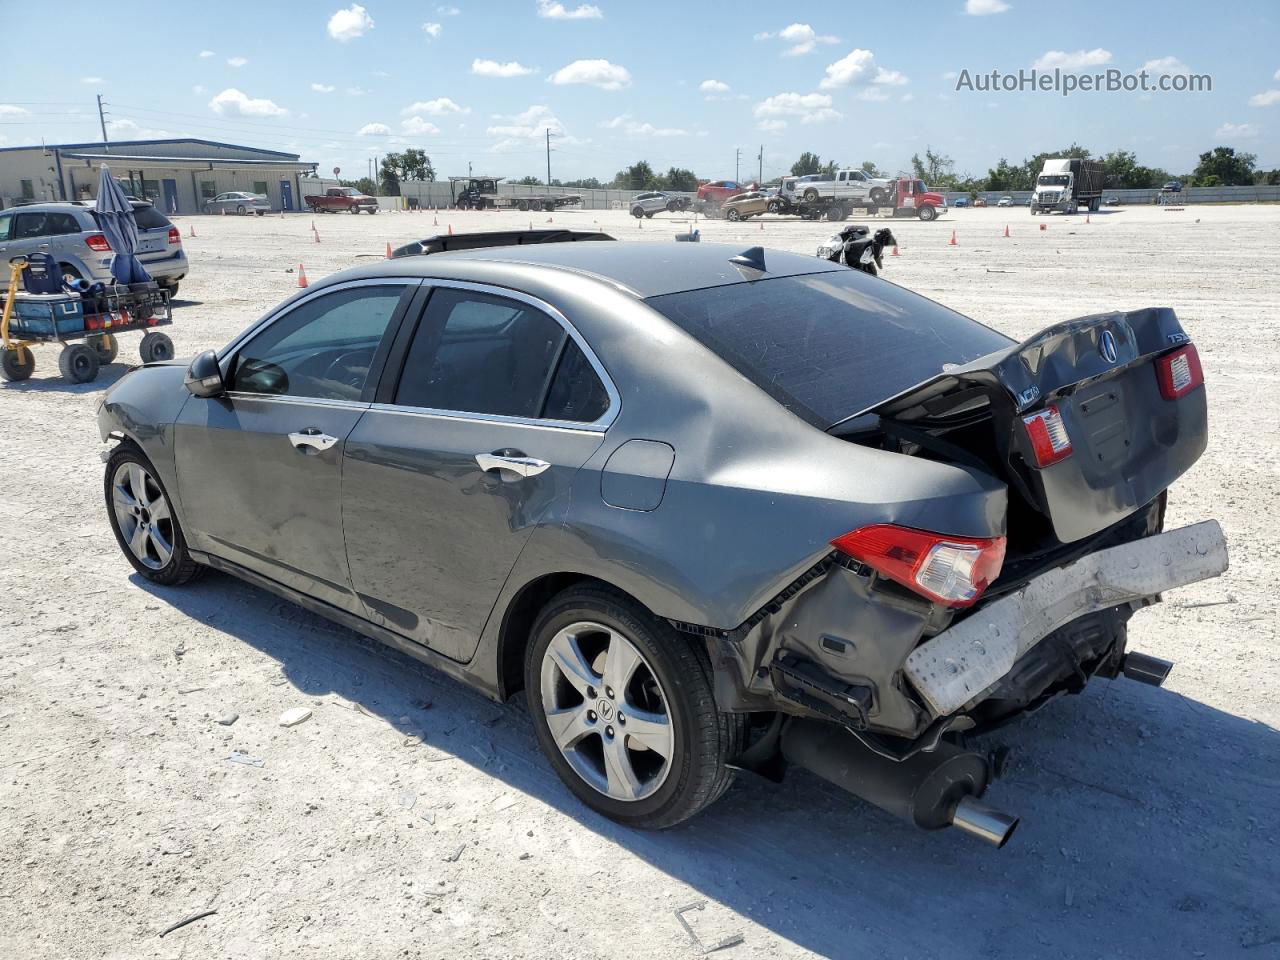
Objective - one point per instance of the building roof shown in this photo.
(198, 161)
(100, 145)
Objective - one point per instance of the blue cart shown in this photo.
(86, 326)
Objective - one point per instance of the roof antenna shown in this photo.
(753, 258)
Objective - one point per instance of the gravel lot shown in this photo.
(409, 817)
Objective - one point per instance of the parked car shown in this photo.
(980, 202)
(1112, 201)
(1005, 201)
(961, 202)
(341, 200)
(647, 204)
(239, 203)
(1173, 186)
(69, 232)
(745, 205)
(706, 508)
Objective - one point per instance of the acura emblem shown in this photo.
(1107, 346)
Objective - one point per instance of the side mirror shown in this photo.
(204, 376)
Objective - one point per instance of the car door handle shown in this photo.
(313, 439)
(517, 463)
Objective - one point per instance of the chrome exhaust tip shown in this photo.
(1146, 669)
(986, 823)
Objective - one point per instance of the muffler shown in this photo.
(932, 790)
(1146, 669)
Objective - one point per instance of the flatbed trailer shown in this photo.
(481, 193)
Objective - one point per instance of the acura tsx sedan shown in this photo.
(708, 509)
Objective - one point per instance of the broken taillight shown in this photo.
(949, 570)
(97, 242)
(1048, 436)
(1179, 372)
(174, 235)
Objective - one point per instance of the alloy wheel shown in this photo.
(606, 711)
(143, 515)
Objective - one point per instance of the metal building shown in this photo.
(176, 175)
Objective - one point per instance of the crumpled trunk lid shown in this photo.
(1128, 441)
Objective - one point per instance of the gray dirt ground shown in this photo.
(385, 828)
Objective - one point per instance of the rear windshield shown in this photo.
(827, 345)
(149, 218)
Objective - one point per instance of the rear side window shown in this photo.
(576, 393)
(828, 345)
(478, 353)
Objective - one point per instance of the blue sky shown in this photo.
(674, 83)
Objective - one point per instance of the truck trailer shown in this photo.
(1067, 184)
(481, 193)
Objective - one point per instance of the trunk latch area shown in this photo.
(806, 684)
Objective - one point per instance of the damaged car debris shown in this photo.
(709, 509)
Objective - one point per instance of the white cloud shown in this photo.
(772, 126)
(446, 11)
(851, 68)
(950, 75)
(872, 93)
(198, 89)
(90, 79)
(1265, 99)
(800, 38)
(713, 86)
(432, 29)
(418, 126)
(438, 107)
(1276, 75)
(516, 131)
(550, 10)
(1062, 60)
(809, 107)
(236, 61)
(356, 91)
(231, 103)
(9, 110)
(129, 130)
(1164, 65)
(349, 23)
(889, 78)
(597, 73)
(373, 130)
(206, 54)
(492, 68)
(323, 87)
(634, 128)
(1236, 131)
(908, 97)
(984, 8)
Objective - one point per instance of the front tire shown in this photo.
(16, 363)
(732, 214)
(240, 210)
(927, 213)
(78, 363)
(622, 707)
(155, 347)
(142, 519)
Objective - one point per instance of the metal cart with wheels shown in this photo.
(87, 328)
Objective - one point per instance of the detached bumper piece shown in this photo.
(962, 663)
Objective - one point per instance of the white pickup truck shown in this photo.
(851, 187)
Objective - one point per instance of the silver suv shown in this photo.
(69, 232)
(647, 204)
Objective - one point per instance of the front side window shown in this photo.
(485, 354)
(322, 349)
(6, 226)
(28, 226)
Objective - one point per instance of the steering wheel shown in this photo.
(340, 372)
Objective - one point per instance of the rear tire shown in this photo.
(240, 211)
(670, 684)
(131, 472)
(155, 347)
(17, 363)
(78, 363)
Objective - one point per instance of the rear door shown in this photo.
(498, 404)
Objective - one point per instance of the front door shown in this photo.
(286, 195)
(170, 188)
(497, 408)
(260, 469)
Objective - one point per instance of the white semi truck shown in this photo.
(1067, 184)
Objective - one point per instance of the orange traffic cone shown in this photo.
(388, 249)
(302, 277)
(316, 234)
(313, 226)
(1086, 218)
(224, 211)
(1043, 226)
(435, 221)
(451, 229)
(193, 230)
(895, 251)
(1006, 229)
(639, 224)
(953, 240)
(761, 224)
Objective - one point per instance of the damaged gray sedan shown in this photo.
(707, 509)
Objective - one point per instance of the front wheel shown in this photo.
(622, 706)
(638, 212)
(78, 363)
(732, 214)
(811, 196)
(142, 519)
(17, 363)
(927, 214)
(155, 347)
(240, 210)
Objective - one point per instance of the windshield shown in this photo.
(1054, 180)
(827, 345)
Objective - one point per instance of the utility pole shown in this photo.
(760, 157)
(102, 123)
(737, 164)
(548, 156)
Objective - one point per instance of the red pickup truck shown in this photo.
(338, 199)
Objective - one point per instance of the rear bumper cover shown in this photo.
(962, 663)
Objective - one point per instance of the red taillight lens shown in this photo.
(1179, 372)
(948, 570)
(1048, 436)
(97, 243)
(174, 235)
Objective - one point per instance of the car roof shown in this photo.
(644, 269)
